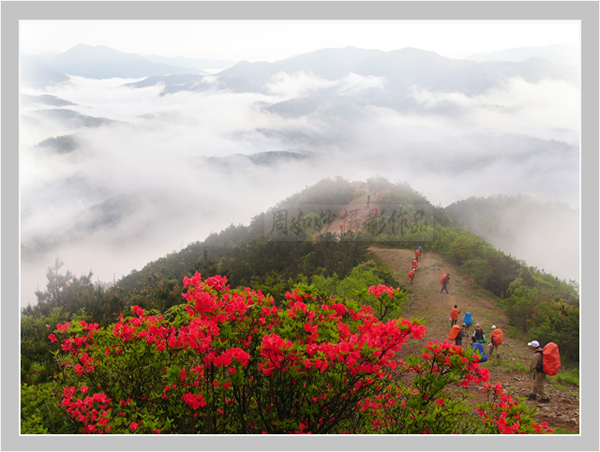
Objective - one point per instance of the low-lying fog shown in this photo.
(138, 187)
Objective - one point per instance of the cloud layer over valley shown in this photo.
(141, 180)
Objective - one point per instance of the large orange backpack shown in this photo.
(442, 280)
(454, 314)
(551, 358)
(497, 336)
(411, 274)
(454, 332)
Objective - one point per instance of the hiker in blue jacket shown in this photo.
(479, 349)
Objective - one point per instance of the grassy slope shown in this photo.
(426, 302)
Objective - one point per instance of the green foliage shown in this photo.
(355, 287)
(548, 321)
(479, 270)
(38, 362)
(464, 248)
(73, 295)
(570, 376)
(231, 362)
(40, 410)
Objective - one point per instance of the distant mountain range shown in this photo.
(102, 62)
(37, 73)
(98, 62)
(401, 69)
(196, 63)
(388, 79)
(565, 54)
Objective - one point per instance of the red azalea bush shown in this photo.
(233, 362)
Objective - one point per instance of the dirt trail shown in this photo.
(427, 303)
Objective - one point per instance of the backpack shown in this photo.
(551, 358)
(497, 336)
(479, 337)
(443, 278)
(468, 320)
(454, 332)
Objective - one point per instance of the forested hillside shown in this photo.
(525, 228)
(300, 276)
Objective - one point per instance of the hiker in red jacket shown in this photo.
(537, 367)
(445, 280)
(454, 316)
(414, 264)
(417, 254)
(411, 275)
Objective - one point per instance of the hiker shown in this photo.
(460, 335)
(467, 321)
(417, 254)
(414, 264)
(479, 349)
(537, 367)
(445, 280)
(454, 316)
(478, 334)
(496, 341)
(341, 228)
(453, 334)
(420, 250)
(368, 200)
(411, 275)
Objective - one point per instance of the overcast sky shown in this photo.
(254, 40)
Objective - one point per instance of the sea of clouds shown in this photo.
(518, 138)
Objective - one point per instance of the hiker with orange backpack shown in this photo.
(444, 282)
(537, 367)
(454, 332)
(546, 361)
(414, 264)
(454, 316)
(411, 275)
(417, 254)
(496, 341)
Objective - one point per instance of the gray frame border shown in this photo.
(584, 11)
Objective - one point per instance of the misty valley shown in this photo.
(139, 168)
